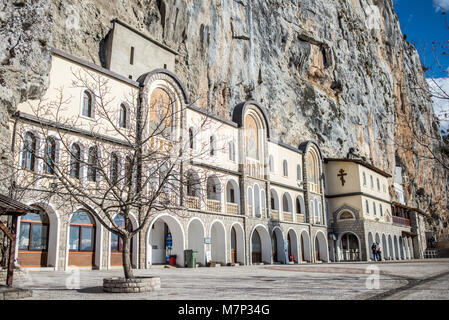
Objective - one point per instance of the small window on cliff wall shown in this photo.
(325, 58)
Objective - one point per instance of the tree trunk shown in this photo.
(126, 258)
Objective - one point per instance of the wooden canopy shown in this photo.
(13, 208)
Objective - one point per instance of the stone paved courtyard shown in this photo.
(420, 279)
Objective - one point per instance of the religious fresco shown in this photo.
(251, 137)
(161, 106)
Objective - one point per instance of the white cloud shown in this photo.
(440, 90)
(441, 5)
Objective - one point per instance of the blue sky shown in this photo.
(423, 22)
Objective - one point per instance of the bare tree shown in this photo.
(135, 159)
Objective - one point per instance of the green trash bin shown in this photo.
(190, 258)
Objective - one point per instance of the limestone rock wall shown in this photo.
(335, 71)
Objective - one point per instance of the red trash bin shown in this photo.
(172, 260)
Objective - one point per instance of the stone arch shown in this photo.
(287, 204)
(321, 248)
(240, 111)
(134, 240)
(293, 248)
(305, 246)
(213, 188)
(53, 233)
(274, 200)
(239, 245)
(396, 248)
(257, 204)
(390, 248)
(157, 255)
(349, 246)
(384, 247)
(277, 238)
(369, 244)
(401, 248)
(233, 193)
(300, 205)
(218, 242)
(98, 254)
(263, 252)
(195, 239)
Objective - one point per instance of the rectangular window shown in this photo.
(131, 57)
(38, 237)
(74, 238)
(114, 242)
(87, 238)
(24, 237)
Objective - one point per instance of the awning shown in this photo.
(10, 206)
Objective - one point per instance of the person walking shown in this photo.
(374, 250)
(379, 252)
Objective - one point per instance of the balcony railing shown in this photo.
(250, 210)
(213, 205)
(160, 144)
(263, 212)
(254, 169)
(402, 221)
(274, 215)
(193, 203)
(313, 187)
(300, 218)
(232, 208)
(288, 217)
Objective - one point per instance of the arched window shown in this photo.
(372, 182)
(298, 172)
(191, 139)
(375, 209)
(29, 152)
(50, 156)
(231, 151)
(285, 168)
(381, 210)
(75, 161)
(34, 232)
(128, 170)
(367, 206)
(212, 145)
(213, 188)
(364, 178)
(82, 232)
(286, 203)
(378, 185)
(87, 104)
(92, 164)
(271, 163)
(116, 241)
(123, 116)
(114, 168)
(298, 206)
(193, 184)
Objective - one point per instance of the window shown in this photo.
(232, 151)
(367, 206)
(271, 163)
(34, 232)
(375, 209)
(298, 206)
(372, 182)
(114, 168)
(82, 232)
(285, 203)
(50, 156)
(128, 170)
(92, 164)
(381, 210)
(212, 146)
(285, 168)
(191, 139)
(75, 161)
(298, 172)
(123, 116)
(87, 104)
(378, 185)
(116, 241)
(29, 152)
(364, 179)
(131, 56)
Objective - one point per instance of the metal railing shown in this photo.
(402, 221)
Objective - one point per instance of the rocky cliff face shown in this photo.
(25, 34)
(335, 71)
